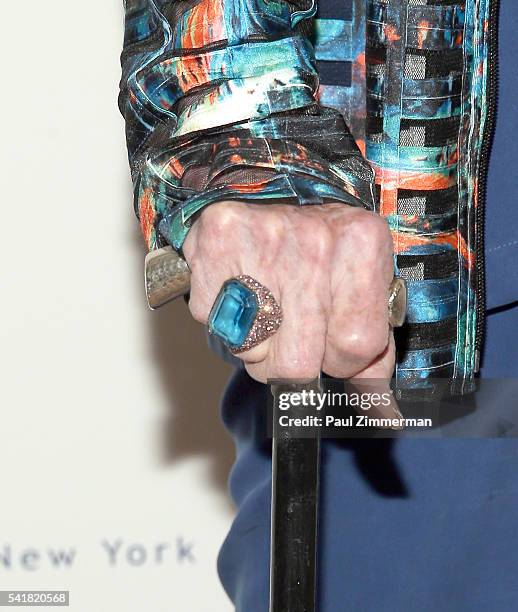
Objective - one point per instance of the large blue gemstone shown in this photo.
(233, 313)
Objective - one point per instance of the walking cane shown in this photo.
(295, 490)
(295, 467)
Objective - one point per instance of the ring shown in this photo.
(397, 302)
(244, 314)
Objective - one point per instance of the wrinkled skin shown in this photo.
(328, 266)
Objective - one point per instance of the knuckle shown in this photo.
(272, 230)
(320, 239)
(364, 344)
(220, 217)
(217, 232)
(263, 238)
(372, 233)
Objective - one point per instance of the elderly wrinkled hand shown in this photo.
(329, 267)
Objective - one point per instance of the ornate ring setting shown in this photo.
(244, 314)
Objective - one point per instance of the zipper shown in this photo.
(485, 150)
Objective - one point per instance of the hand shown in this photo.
(328, 266)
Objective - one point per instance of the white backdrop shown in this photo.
(113, 462)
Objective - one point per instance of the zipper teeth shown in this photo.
(487, 140)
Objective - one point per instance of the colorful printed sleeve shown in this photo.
(219, 98)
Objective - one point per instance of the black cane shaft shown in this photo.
(295, 489)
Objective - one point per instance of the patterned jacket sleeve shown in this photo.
(219, 98)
